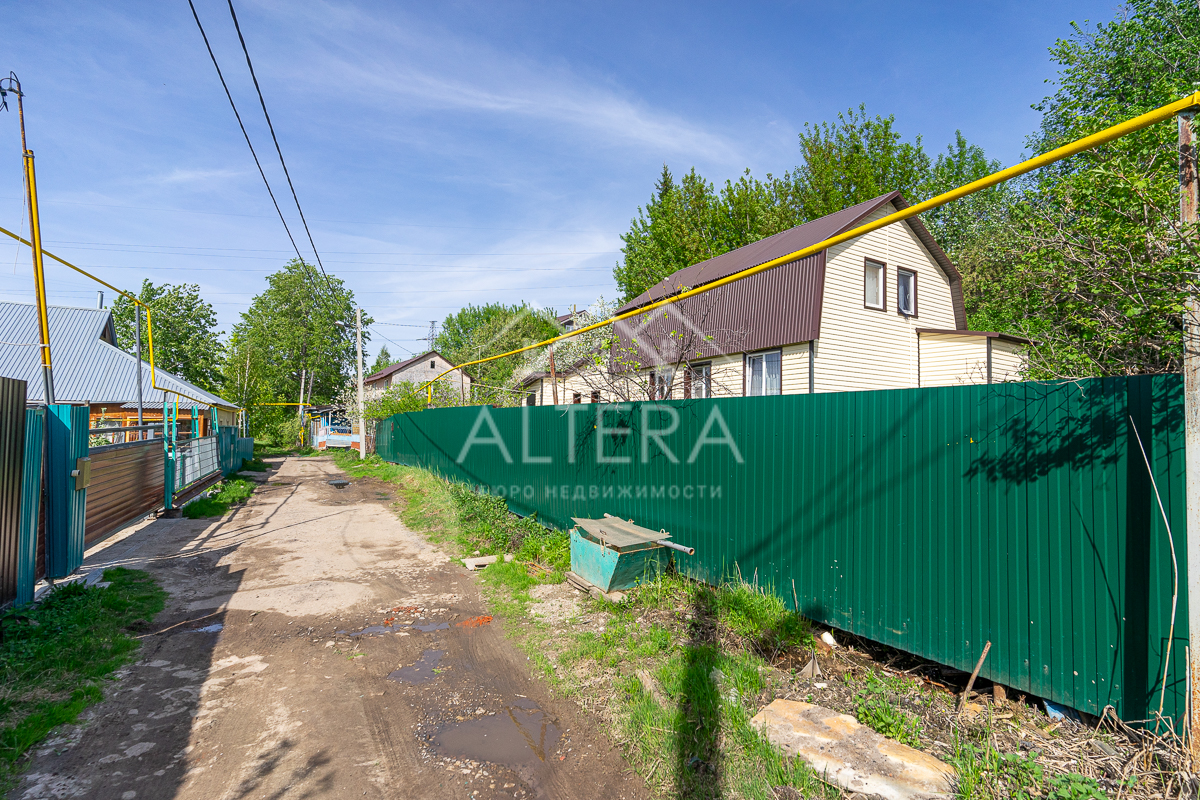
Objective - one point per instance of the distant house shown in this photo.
(419, 370)
(881, 311)
(89, 369)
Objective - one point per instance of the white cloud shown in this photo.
(407, 67)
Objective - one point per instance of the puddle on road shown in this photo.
(521, 737)
(432, 626)
(420, 672)
(375, 630)
(210, 628)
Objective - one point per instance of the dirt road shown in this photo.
(268, 689)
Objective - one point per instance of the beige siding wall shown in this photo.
(948, 360)
(419, 373)
(726, 375)
(1007, 360)
(795, 369)
(862, 348)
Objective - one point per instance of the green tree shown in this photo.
(855, 159)
(1093, 262)
(382, 361)
(186, 340)
(846, 162)
(477, 332)
(292, 331)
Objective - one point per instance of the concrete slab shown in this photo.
(480, 562)
(853, 756)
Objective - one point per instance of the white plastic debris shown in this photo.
(828, 639)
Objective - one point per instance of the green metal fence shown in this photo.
(932, 520)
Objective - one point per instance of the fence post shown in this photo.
(67, 476)
(31, 504)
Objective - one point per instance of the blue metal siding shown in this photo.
(67, 427)
(31, 502)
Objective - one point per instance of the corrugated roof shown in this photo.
(790, 241)
(88, 367)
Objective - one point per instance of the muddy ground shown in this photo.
(269, 690)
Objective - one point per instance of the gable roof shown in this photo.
(798, 238)
(88, 366)
(403, 365)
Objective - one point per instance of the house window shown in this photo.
(531, 399)
(432, 364)
(764, 373)
(697, 381)
(576, 398)
(596, 396)
(906, 292)
(873, 284)
(660, 384)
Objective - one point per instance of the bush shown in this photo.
(287, 433)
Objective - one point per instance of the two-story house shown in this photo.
(881, 311)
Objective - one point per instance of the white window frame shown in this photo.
(762, 357)
(704, 373)
(879, 269)
(901, 275)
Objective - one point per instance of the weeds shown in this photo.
(876, 706)
(231, 492)
(54, 658)
(985, 774)
(254, 465)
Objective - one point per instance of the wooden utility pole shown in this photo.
(553, 379)
(1189, 204)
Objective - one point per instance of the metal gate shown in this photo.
(127, 483)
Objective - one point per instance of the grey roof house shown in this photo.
(89, 369)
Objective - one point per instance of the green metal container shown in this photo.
(612, 569)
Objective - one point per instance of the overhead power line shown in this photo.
(278, 150)
(233, 105)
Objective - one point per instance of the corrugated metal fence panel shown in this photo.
(932, 520)
(12, 461)
(245, 449)
(127, 483)
(32, 508)
(67, 429)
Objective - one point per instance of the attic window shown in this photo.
(432, 364)
(873, 283)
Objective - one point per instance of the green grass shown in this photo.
(876, 705)
(711, 667)
(452, 513)
(985, 774)
(261, 449)
(55, 656)
(255, 465)
(713, 674)
(231, 493)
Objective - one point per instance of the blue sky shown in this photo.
(461, 152)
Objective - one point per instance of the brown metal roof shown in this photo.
(394, 368)
(802, 315)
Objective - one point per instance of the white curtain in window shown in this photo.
(904, 293)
